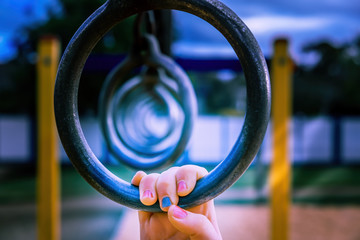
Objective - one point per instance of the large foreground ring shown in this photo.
(258, 99)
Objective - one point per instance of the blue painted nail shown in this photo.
(166, 202)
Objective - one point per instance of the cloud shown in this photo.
(245, 8)
(260, 25)
(202, 50)
(302, 22)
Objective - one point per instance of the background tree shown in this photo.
(331, 85)
(17, 88)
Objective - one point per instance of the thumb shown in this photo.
(196, 226)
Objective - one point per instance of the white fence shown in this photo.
(312, 140)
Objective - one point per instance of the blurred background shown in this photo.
(324, 138)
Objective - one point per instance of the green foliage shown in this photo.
(18, 77)
(70, 18)
(331, 85)
(222, 97)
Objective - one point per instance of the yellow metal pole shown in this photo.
(280, 169)
(48, 189)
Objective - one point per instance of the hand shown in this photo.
(197, 223)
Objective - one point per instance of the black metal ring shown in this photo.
(258, 99)
(185, 96)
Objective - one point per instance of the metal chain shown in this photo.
(150, 28)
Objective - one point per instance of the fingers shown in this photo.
(175, 182)
(197, 226)
(186, 178)
(167, 186)
(166, 189)
(147, 187)
(137, 178)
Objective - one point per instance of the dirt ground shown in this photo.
(253, 223)
(100, 218)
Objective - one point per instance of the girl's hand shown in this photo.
(174, 223)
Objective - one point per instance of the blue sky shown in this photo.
(301, 21)
(15, 14)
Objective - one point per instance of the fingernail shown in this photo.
(182, 186)
(147, 194)
(179, 213)
(165, 202)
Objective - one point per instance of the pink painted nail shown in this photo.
(179, 213)
(147, 194)
(181, 186)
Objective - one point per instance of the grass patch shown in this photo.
(18, 183)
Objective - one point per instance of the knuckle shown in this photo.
(163, 185)
(148, 179)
